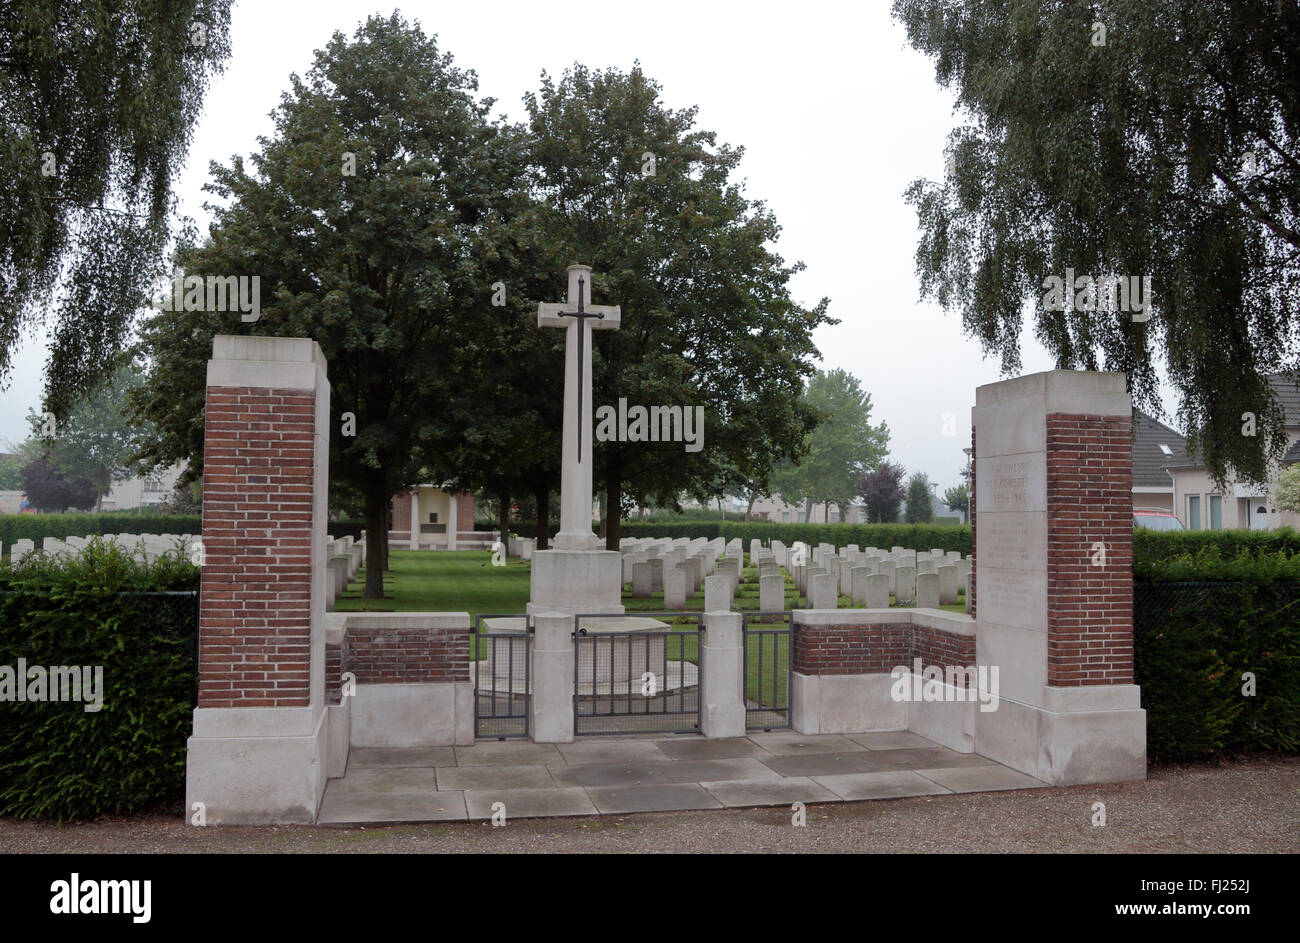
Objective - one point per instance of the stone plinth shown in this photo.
(577, 581)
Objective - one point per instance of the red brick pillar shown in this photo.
(257, 750)
(1053, 503)
(1089, 550)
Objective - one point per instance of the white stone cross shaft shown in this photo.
(575, 457)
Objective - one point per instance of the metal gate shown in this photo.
(637, 681)
(768, 669)
(502, 686)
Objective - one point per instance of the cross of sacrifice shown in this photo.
(575, 473)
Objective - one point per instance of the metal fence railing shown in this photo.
(768, 670)
(502, 686)
(1185, 604)
(636, 681)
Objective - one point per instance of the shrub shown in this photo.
(98, 608)
(37, 527)
(1200, 623)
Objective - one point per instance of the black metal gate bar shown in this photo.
(629, 705)
(769, 671)
(502, 698)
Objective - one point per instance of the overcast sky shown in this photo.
(837, 115)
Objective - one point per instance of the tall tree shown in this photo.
(843, 446)
(955, 498)
(882, 492)
(96, 443)
(920, 501)
(98, 100)
(634, 189)
(1136, 138)
(373, 221)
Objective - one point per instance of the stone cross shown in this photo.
(575, 460)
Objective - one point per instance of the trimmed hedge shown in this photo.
(1149, 545)
(37, 527)
(98, 608)
(1200, 624)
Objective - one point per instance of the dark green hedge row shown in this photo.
(37, 527)
(1166, 545)
(98, 608)
(1197, 643)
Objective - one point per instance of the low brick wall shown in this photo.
(874, 647)
(397, 648)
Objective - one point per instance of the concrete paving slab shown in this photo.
(890, 785)
(529, 803)
(779, 791)
(350, 808)
(664, 797)
(928, 758)
(612, 751)
(791, 744)
(981, 779)
(697, 771)
(508, 753)
(697, 748)
(495, 777)
(607, 774)
(824, 764)
(891, 740)
(386, 779)
(379, 757)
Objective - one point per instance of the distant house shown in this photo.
(1202, 505)
(142, 492)
(1155, 448)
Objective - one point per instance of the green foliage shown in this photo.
(842, 448)
(707, 313)
(1168, 152)
(1287, 494)
(36, 527)
(955, 497)
(1200, 624)
(1150, 546)
(99, 99)
(920, 500)
(11, 472)
(386, 261)
(98, 608)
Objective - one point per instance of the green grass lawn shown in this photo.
(443, 581)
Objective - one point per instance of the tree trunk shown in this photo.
(807, 510)
(604, 515)
(377, 504)
(504, 521)
(613, 507)
(753, 499)
(542, 496)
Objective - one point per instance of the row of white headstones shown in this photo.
(867, 576)
(343, 555)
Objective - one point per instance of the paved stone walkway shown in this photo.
(607, 776)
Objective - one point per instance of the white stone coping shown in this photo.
(337, 624)
(1091, 697)
(225, 722)
(957, 623)
(1073, 392)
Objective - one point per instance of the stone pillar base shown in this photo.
(1090, 734)
(577, 581)
(551, 703)
(256, 766)
(722, 676)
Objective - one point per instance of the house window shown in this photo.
(433, 517)
(785, 517)
(801, 520)
(1216, 512)
(1193, 512)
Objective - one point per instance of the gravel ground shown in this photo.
(1250, 805)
